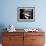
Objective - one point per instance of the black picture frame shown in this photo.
(26, 14)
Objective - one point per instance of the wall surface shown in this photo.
(8, 13)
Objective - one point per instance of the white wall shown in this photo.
(8, 13)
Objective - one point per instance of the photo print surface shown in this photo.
(26, 14)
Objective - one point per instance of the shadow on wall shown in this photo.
(2, 26)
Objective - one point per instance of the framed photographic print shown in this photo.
(26, 14)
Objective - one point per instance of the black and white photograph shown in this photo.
(26, 14)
